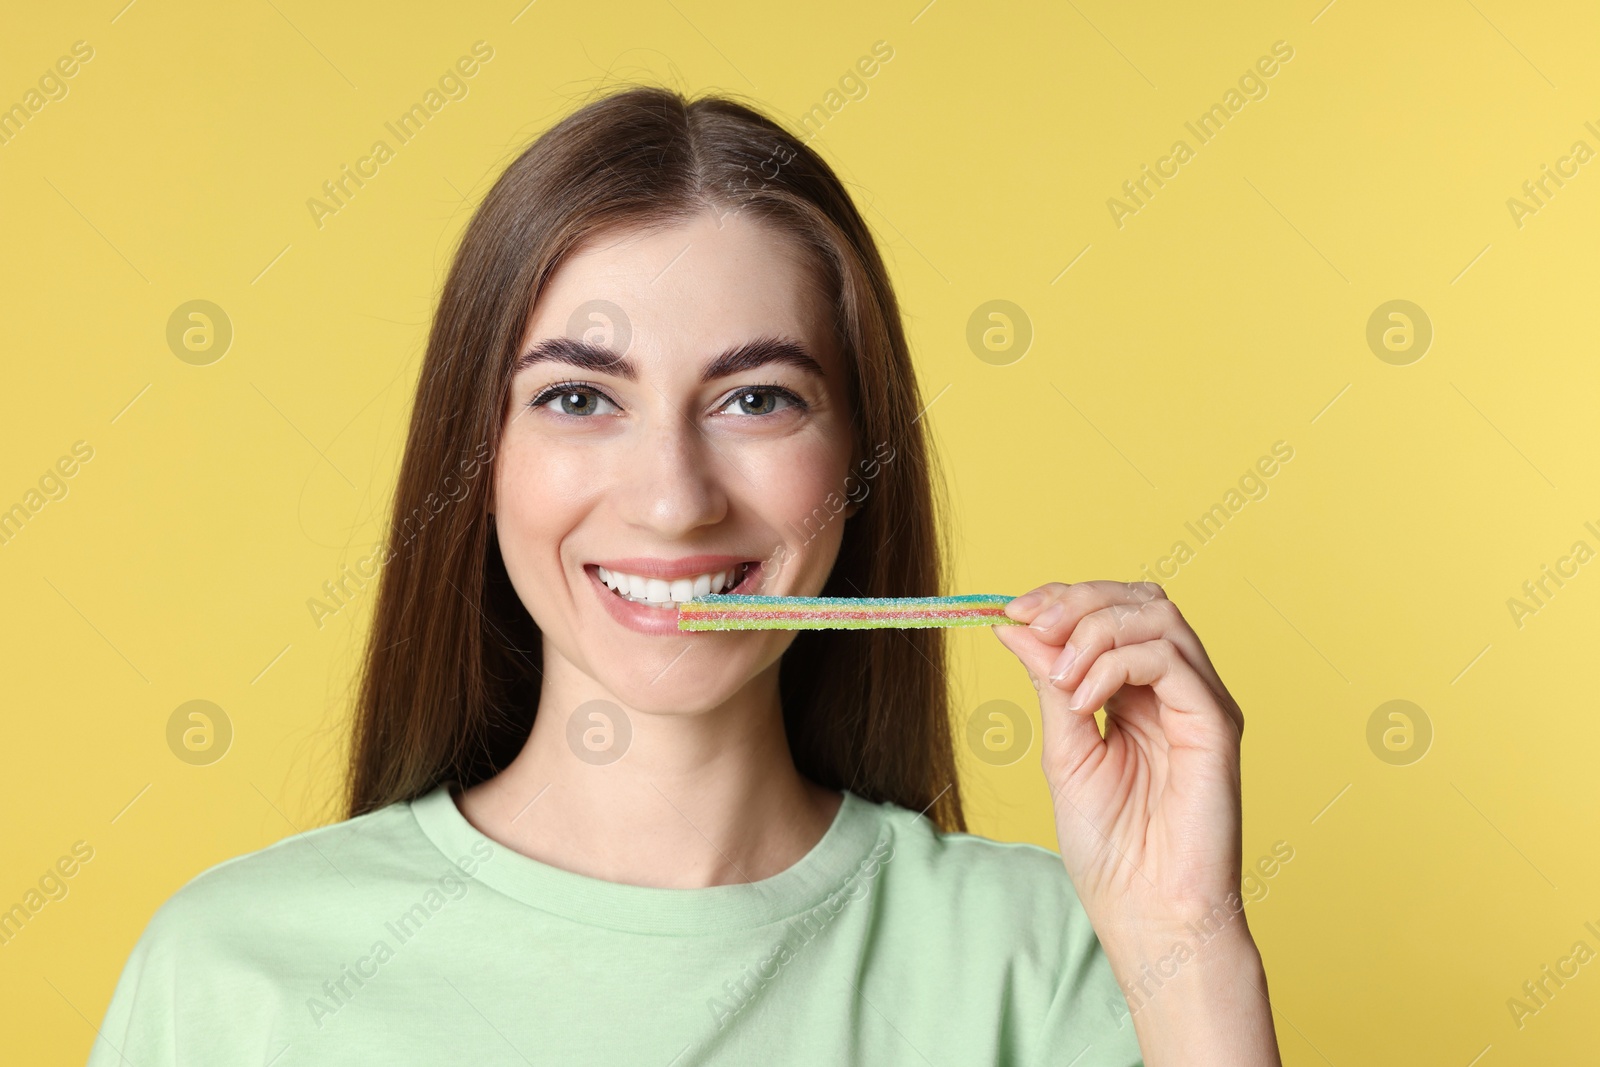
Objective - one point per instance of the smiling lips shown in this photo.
(660, 592)
(662, 584)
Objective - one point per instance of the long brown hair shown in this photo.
(450, 675)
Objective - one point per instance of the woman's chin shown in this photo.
(678, 690)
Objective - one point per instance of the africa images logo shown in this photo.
(800, 931)
(337, 992)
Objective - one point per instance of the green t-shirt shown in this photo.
(406, 936)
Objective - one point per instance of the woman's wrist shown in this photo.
(1196, 991)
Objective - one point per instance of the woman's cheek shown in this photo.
(542, 483)
(538, 496)
(793, 498)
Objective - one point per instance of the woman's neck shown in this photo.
(676, 800)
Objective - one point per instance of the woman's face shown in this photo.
(678, 424)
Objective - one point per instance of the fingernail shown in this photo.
(1049, 617)
(1064, 662)
(1075, 701)
(1028, 601)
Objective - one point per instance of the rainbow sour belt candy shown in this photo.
(737, 611)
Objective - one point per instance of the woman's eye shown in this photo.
(572, 400)
(583, 401)
(760, 401)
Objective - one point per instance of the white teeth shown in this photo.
(660, 593)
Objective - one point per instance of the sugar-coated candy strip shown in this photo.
(739, 611)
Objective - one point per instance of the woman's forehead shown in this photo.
(697, 285)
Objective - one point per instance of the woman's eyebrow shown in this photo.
(602, 360)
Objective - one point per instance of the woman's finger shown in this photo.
(1126, 610)
(1111, 627)
(1059, 605)
(1157, 664)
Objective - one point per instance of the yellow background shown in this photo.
(1228, 314)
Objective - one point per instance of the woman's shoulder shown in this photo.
(223, 954)
(997, 915)
(299, 882)
(978, 874)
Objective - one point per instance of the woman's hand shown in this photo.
(1148, 816)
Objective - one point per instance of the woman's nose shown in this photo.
(674, 478)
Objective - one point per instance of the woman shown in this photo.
(668, 361)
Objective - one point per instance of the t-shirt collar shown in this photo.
(855, 829)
